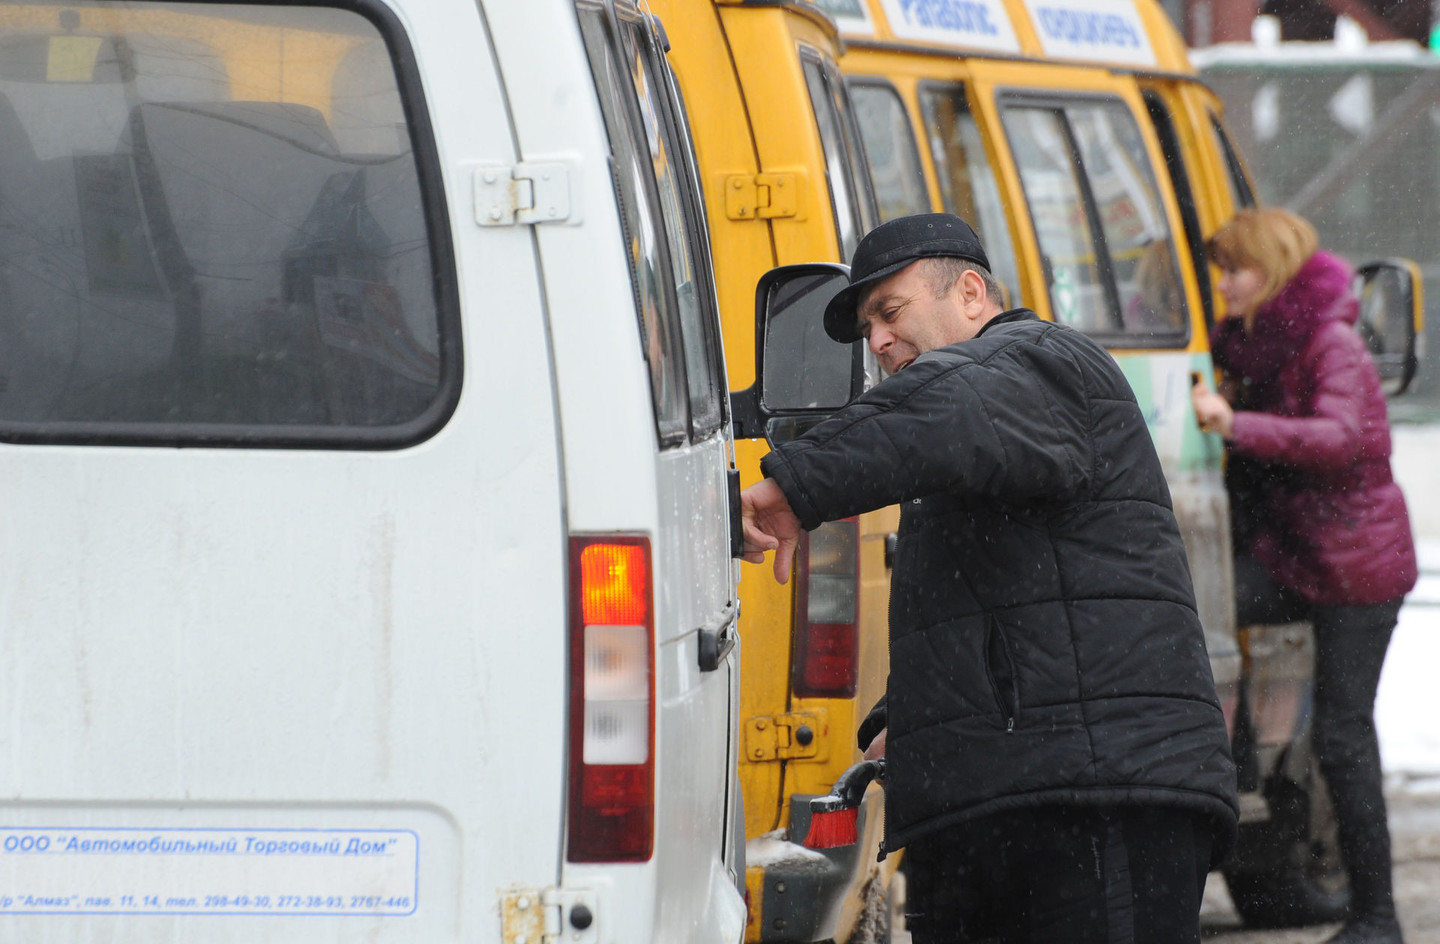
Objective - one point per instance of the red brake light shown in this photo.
(827, 598)
(612, 692)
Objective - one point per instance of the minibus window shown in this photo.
(687, 255)
(1104, 236)
(856, 161)
(967, 182)
(1133, 223)
(849, 218)
(1240, 193)
(894, 162)
(637, 193)
(1047, 163)
(1185, 196)
(219, 224)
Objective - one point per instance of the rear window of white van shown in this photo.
(214, 228)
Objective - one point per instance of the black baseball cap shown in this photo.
(892, 246)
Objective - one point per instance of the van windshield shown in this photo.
(211, 224)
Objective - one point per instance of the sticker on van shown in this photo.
(209, 871)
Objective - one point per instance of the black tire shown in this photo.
(1303, 883)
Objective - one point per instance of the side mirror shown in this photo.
(1391, 318)
(802, 376)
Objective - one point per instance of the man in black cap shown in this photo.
(1059, 769)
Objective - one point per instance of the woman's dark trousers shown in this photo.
(1350, 644)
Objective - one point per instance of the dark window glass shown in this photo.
(212, 228)
(967, 182)
(840, 168)
(1184, 195)
(1240, 193)
(662, 119)
(1104, 236)
(638, 194)
(895, 170)
(855, 157)
(1051, 178)
(1132, 218)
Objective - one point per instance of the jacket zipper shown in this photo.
(1007, 691)
(889, 663)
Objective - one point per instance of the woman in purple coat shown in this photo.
(1304, 415)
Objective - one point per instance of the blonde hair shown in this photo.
(1274, 241)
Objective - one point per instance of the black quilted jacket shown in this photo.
(1044, 644)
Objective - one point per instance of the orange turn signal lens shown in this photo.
(613, 589)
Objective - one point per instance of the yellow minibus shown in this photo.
(1094, 163)
(1075, 136)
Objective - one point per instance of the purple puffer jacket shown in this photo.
(1333, 525)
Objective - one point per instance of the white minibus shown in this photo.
(366, 564)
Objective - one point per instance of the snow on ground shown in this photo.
(1407, 709)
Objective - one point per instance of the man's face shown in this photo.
(900, 317)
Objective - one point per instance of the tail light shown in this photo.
(827, 599)
(612, 699)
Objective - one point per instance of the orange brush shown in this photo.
(834, 819)
(834, 827)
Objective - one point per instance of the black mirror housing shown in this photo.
(1391, 317)
(801, 375)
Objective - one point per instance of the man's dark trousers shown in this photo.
(1061, 875)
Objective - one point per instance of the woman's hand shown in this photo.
(1212, 412)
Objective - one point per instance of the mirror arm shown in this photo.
(745, 412)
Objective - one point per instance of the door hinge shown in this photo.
(531, 192)
(548, 916)
(787, 737)
(763, 196)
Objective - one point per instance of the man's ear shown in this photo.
(973, 294)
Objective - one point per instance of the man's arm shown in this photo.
(1015, 428)
(871, 735)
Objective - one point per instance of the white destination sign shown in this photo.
(978, 24)
(1102, 30)
(70, 871)
(852, 16)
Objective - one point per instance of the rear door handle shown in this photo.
(737, 528)
(717, 637)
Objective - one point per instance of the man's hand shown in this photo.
(1213, 413)
(770, 525)
(876, 749)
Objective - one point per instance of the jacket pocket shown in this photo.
(1000, 670)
